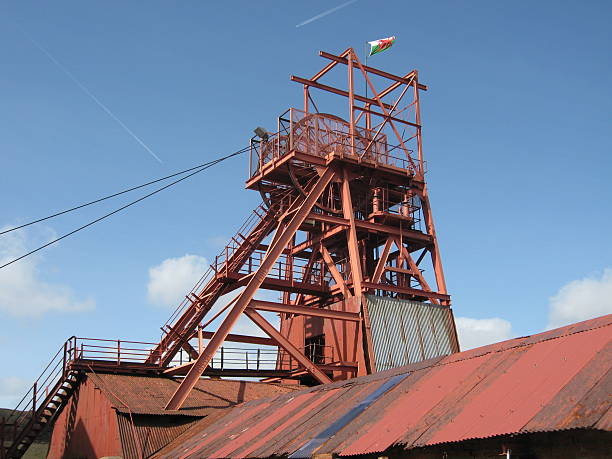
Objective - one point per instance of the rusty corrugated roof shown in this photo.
(149, 394)
(551, 381)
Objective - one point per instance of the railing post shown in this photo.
(118, 352)
(290, 129)
(64, 359)
(258, 357)
(222, 357)
(251, 159)
(34, 400)
(200, 339)
(246, 355)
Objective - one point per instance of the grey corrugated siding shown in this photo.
(405, 332)
(147, 434)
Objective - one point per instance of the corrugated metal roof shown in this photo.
(149, 394)
(552, 381)
(404, 332)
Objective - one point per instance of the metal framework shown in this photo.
(346, 213)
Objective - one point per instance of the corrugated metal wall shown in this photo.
(152, 432)
(405, 332)
(87, 427)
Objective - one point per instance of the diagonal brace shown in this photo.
(283, 342)
(274, 251)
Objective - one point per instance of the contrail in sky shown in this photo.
(94, 98)
(325, 13)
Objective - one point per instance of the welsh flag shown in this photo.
(380, 45)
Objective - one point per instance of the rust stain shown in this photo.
(556, 380)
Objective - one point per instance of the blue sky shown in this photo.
(517, 138)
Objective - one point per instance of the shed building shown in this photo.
(541, 396)
(124, 416)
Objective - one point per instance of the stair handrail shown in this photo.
(248, 224)
(29, 405)
(251, 221)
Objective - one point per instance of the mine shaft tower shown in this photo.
(343, 232)
(344, 237)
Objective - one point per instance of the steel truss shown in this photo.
(347, 213)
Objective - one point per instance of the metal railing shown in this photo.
(40, 394)
(320, 135)
(286, 268)
(281, 199)
(260, 358)
(45, 398)
(251, 222)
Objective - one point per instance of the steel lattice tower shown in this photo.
(343, 233)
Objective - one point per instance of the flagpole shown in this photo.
(366, 63)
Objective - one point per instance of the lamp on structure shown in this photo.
(261, 133)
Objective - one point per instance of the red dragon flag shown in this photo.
(378, 46)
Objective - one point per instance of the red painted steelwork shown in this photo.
(308, 407)
(121, 415)
(547, 382)
(337, 191)
(87, 427)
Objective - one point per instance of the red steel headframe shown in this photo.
(341, 204)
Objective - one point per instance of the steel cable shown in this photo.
(119, 193)
(199, 169)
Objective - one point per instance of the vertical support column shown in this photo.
(351, 233)
(351, 101)
(356, 273)
(417, 119)
(434, 251)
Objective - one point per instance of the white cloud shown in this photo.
(581, 299)
(480, 332)
(22, 292)
(244, 325)
(174, 278)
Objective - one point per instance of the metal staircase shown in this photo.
(41, 405)
(180, 327)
